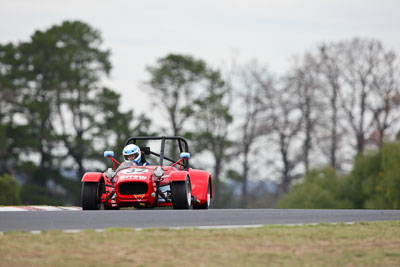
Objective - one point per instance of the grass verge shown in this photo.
(367, 244)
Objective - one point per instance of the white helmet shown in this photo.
(132, 152)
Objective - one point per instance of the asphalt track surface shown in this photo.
(164, 218)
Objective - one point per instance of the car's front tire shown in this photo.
(91, 195)
(110, 208)
(181, 194)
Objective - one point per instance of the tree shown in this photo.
(386, 92)
(57, 74)
(371, 184)
(79, 63)
(321, 189)
(330, 75)
(253, 86)
(390, 181)
(369, 86)
(9, 98)
(174, 82)
(56, 111)
(346, 89)
(373, 181)
(303, 81)
(117, 126)
(286, 125)
(212, 119)
(9, 190)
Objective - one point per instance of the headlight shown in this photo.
(158, 172)
(110, 173)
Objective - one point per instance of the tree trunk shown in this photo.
(245, 178)
(285, 183)
(334, 141)
(216, 182)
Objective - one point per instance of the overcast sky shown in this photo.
(139, 32)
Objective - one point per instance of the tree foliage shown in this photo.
(56, 116)
(321, 188)
(66, 63)
(212, 118)
(9, 190)
(252, 85)
(374, 179)
(174, 82)
(371, 184)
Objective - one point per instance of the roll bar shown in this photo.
(183, 146)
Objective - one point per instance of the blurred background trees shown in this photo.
(320, 135)
(55, 114)
(372, 184)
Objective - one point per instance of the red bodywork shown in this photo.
(137, 186)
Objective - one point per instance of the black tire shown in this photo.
(205, 205)
(181, 194)
(91, 195)
(110, 208)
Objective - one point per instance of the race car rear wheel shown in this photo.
(91, 195)
(206, 204)
(181, 194)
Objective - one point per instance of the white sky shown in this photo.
(139, 32)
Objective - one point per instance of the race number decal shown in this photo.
(135, 170)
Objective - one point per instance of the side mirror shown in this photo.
(108, 154)
(185, 155)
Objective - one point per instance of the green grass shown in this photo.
(360, 244)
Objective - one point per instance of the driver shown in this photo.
(132, 153)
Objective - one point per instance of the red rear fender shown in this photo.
(92, 177)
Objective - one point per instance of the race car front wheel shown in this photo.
(181, 194)
(91, 195)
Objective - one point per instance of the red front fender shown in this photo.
(92, 177)
(175, 176)
(200, 181)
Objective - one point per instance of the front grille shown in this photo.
(134, 188)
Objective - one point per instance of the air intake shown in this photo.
(134, 188)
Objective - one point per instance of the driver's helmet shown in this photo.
(132, 153)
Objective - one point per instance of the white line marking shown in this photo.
(39, 208)
(71, 208)
(229, 226)
(74, 231)
(11, 209)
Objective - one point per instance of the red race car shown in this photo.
(132, 185)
